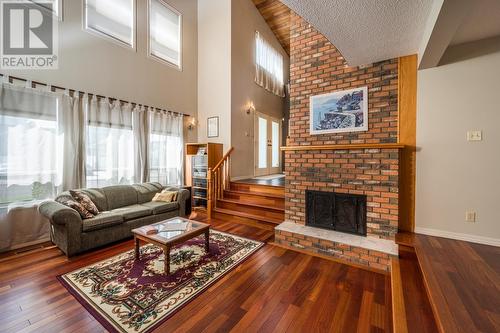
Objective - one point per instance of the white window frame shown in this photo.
(105, 36)
(150, 54)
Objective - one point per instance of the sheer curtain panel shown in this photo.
(71, 117)
(268, 67)
(140, 126)
(166, 148)
(109, 145)
(30, 161)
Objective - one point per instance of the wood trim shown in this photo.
(346, 147)
(399, 322)
(407, 135)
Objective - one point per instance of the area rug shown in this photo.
(126, 295)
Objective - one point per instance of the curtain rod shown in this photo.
(10, 77)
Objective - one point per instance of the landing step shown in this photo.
(256, 188)
(243, 203)
(248, 216)
(268, 195)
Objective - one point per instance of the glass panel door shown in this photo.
(267, 145)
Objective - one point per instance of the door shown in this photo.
(267, 145)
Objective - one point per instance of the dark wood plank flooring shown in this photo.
(278, 181)
(275, 290)
(463, 283)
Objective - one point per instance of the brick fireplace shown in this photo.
(356, 163)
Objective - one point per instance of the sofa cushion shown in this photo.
(102, 220)
(161, 207)
(120, 196)
(98, 197)
(133, 211)
(146, 191)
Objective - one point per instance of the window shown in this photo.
(30, 147)
(110, 156)
(268, 67)
(165, 24)
(166, 148)
(114, 19)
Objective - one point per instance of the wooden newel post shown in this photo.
(209, 192)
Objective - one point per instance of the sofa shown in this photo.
(121, 209)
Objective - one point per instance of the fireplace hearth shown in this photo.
(336, 211)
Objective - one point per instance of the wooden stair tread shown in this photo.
(248, 215)
(269, 195)
(239, 202)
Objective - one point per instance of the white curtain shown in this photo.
(166, 148)
(268, 67)
(109, 145)
(71, 116)
(30, 161)
(140, 126)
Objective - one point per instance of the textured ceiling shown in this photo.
(482, 22)
(277, 16)
(366, 31)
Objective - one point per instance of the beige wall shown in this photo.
(454, 175)
(96, 65)
(214, 64)
(246, 19)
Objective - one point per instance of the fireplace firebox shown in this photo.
(336, 211)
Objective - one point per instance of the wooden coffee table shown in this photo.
(166, 237)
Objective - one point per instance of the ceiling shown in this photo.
(277, 16)
(482, 22)
(366, 31)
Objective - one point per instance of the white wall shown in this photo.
(246, 19)
(96, 65)
(454, 175)
(214, 64)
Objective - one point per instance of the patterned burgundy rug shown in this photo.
(125, 295)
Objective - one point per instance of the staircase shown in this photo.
(244, 202)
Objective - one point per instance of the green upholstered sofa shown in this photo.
(122, 208)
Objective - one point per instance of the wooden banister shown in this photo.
(218, 180)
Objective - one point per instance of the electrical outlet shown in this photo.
(470, 216)
(474, 136)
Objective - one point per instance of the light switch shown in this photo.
(474, 135)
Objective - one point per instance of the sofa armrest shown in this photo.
(60, 214)
(182, 197)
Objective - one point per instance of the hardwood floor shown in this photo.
(275, 290)
(463, 283)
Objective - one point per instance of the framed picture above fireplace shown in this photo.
(339, 111)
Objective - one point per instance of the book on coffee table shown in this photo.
(177, 226)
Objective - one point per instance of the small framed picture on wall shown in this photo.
(213, 127)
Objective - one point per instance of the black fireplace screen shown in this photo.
(337, 211)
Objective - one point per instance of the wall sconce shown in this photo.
(251, 108)
(192, 124)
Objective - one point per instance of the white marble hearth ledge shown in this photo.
(369, 243)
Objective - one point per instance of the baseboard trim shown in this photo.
(458, 236)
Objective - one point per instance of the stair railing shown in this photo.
(218, 180)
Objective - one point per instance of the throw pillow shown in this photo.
(84, 213)
(169, 191)
(85, 201)
(165, 196)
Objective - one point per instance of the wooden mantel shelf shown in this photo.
(347, 147)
